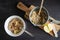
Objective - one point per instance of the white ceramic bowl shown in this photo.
(8, 31)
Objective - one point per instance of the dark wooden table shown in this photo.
(8, 8)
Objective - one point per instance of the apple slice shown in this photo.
(46, 29)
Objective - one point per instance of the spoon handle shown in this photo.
(54, 20)
(29, 33)
(41, 7)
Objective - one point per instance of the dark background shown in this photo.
(8, 8)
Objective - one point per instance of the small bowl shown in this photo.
(8, 31)
(35, 9)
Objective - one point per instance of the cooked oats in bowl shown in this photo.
(15, 25)
(36, 19)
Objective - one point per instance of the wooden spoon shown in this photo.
(41, 7)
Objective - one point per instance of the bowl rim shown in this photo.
(6, 26)
(33, 10)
